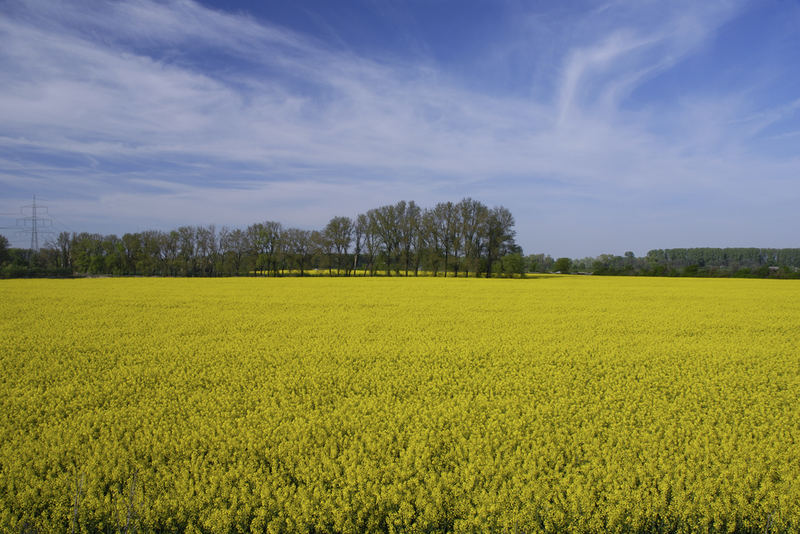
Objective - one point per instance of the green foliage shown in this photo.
(460, 238)
(4, 246)
(699, 262)
(562, 265)
(513, 264)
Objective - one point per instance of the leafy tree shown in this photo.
(4, 246)
(339, 235)
(431, 241)
(409, 228)
(299, 248)
(63, 243)
(499, 235)
(368, 227)
(513, 264)
(323, 249)
(540, 263)
(265, 238)
(233, 247)
(207, 249)
(169, 250)
(562, 265)
(445, 218)
(385, 221)
(473, 215)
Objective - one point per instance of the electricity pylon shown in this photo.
(33, 224)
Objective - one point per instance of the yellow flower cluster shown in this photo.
(554, 404)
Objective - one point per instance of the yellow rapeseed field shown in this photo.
(553, 404)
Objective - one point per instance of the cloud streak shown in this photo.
(172, 113)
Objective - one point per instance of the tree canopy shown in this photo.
(449, 238)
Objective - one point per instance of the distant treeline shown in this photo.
(451, 239)
(704, 261)
(466, 238)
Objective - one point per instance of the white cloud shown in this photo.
(284, 127)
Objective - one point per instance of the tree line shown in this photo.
(700, 261)
(450, 239)
(466, 238)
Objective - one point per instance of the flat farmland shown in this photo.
(551, 404)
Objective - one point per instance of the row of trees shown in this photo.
(701, 261)
(465, 238)
(450, 239)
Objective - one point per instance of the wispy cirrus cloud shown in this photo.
(168, 113)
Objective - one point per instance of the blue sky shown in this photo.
(602, 126)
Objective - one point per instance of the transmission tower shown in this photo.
(31, 222)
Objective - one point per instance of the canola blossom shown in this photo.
(554, 404)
